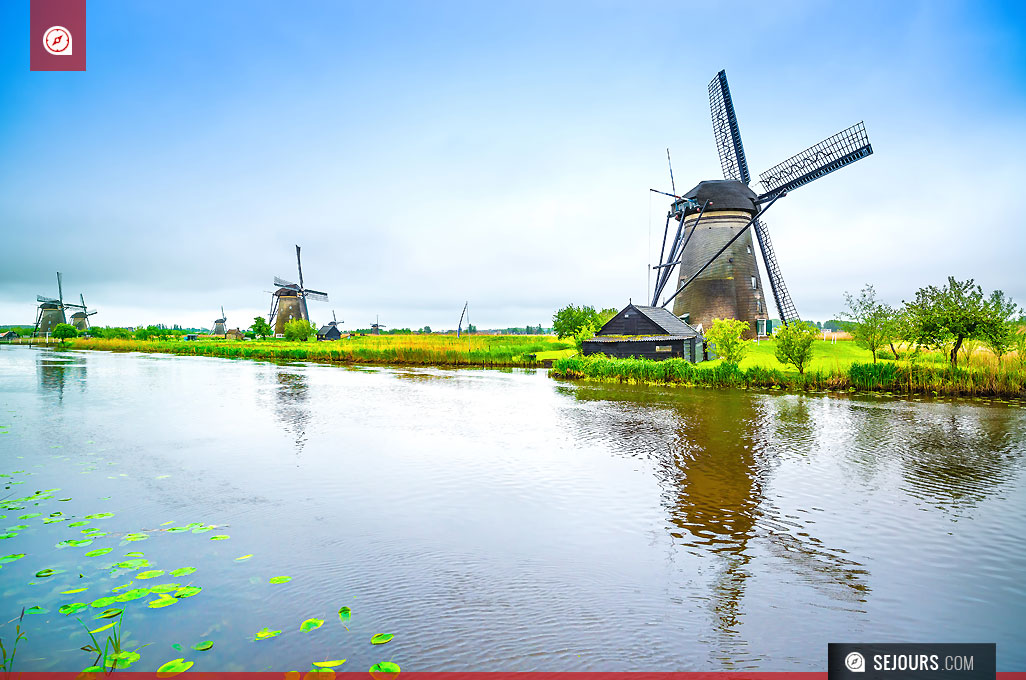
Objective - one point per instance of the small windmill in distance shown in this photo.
(376, 326)
(80, 319)
(51, 311)
(288, 301)
(219, 325)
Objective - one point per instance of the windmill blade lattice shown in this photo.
(833, 153)
(726, 131)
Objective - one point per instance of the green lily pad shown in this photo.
(72, 608)
(73, 591)
(18, 527)
(381, 638)
(265, 633)
(10, 558)
(220, 537)
(281, 579)
(43, 573)
(100, 515)
(133, 594)
(310, 624)
(102, 602)
(173, 667)
(121, 659)
(109, 613)
(133, 564)
(187, 591)
(74, 542)
(161, 603)
(243, 558)
(201, 529)
(183, 571)
(152, 573)
(384, 667)
(344, 614)
(30, 515)
(10, 534)
(329, 664)
(92, 669)
(35, 609)
(98, 551)
(78, 524)
(203, 646)
(135, 553)
(136, 537)
(165, 587)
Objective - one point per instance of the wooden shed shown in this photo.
(329, 332)
(647, 332)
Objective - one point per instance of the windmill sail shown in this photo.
(726, 131)
(833, 153)
(785, 307)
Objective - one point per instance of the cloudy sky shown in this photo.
(428, 153)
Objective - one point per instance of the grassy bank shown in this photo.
(418, 350)
(841, 367)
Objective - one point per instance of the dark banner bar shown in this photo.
(912, 661)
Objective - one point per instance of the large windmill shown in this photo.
(51, 311)
(718, 276)
(80, 319)
(289, 300)
(219, 325)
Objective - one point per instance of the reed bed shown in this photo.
(416, 350)
(923, 377)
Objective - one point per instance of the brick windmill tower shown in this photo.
(719, 276)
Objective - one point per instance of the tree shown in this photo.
(585, 332)
(299, 330)
(871, 322)
(955, 313)
(571, 319)
(726, 334)
(425, 329)
(1019, 340)
(261, 327)
(794, 344)
(144, 333)
(64, 331)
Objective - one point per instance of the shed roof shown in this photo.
(324, 330)
(662, 318)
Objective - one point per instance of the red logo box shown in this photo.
(57, 40)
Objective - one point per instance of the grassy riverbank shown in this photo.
(841, 366)
(418, 350)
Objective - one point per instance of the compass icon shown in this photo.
(57, 41)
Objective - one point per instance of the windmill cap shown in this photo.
(725, 194)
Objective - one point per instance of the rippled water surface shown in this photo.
(501, 520)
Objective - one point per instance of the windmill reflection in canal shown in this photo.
(711, 457)
(291, 407)
(56, 370)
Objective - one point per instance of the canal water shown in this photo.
(494, 520)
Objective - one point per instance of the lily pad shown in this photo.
(102, 602)
(183, 571)
(35, 609)
(201, 529)
(133, 564)
(30, 515)
(329, 664)
(9, 534)
(134, 554)
(103, 628)
(173, 667)
(109, 613)
(265, 633)
(152, 573)
(161, 603)
(100, 515)
(203, 646)
(78, 524)
(43, 573)
(98, 551)
(344, 614)
(133, 594)
(165, 587)
(187, 591)
(73, 591)
(381, 638)
(10, 558)
(136, 537)
(384, 667)
(280, 579)
(243, 558)
(220, 537)
(72, 608)
(311, 624)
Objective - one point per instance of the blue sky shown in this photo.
(424, 154)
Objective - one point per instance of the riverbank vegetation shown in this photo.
(418, 350)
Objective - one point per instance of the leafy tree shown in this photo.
(1019, 341)
(726, 334)
(955, 313)
(64, 331)
(871, 322)
(144, 333)
(794, 344)
(833, 325)
(425, 329)
(298, 330)
(261, 327)
(571, 319)
(606, 314)
(585, 332)
(471, 328)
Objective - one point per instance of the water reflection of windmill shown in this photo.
(719, 277)
(219, 324)
(80, 319)
(288, 301)
(290, 403)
